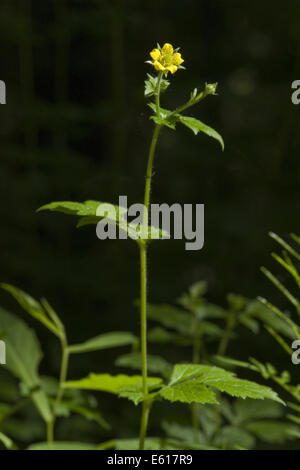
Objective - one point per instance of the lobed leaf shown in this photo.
(189, 376)
(104, 341)
(197, 126)
(109, 383)
(23, 358)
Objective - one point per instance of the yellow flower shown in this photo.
(165, 59)
(155, 54)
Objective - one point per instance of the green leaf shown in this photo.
(33, 307)
(156, 443)
(233, 362)
(166, 117)
(248, 410)
(62, 446)
(271, 431)
(189, 392)
(160, 335)
(172, 317)
(249, 322)
(151, 85)
(73, 208)
(104, 341)
(109, 383)
(279, 340)
(285, 245)
(230, 437)
(197, 126)
(7, 442)
(135, 392)
(283, 316)
(156, 364)
(266, 315)
(87, 211)
(168, 122)
(198, 289)
(281, 287)
(223, 380)
(183, 433)
(24, 355)
(88, 413)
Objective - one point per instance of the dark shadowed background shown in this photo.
(76, 127)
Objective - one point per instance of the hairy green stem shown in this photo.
(144, 423)
(143, 271)
(227, 334)
(188, 104)
(157, 97)
(196, 359)
(60, 392)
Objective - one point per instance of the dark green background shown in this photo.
(76, 127)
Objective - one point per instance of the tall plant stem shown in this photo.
(143, 272)
(196, 359)
(60, 392)
(230, 324)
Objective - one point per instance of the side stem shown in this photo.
(60, 392)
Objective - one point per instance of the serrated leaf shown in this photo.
(87, 213)
(197, 126)
(73, 208)
(24, 355)
(168, 122)
(109, 383)
(165, 118)
(151, 85)
(222, 380)
(135, 392)
(104, 341)
(188, 392)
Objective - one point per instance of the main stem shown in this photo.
(196, 359)
(143, 272)
(226, 336)
(59, 396)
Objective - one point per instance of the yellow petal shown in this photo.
(158, 66)
(177, 59)
(172, 68)
(167, 49)
(155, 54)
